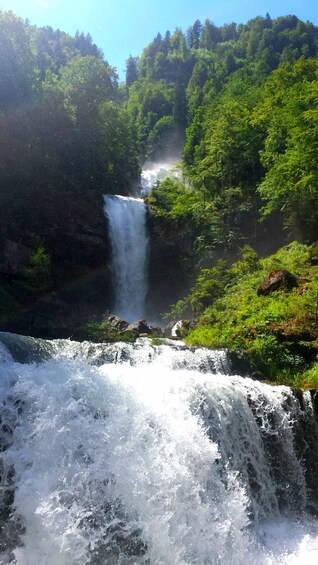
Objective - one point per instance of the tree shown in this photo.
(88, 81)
(193, 35)
(17, 61)
(131, 70)
(290, 152)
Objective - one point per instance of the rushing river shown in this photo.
(151, 455)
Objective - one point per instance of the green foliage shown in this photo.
(248, 262)
(278, 332)
(246, 96)
(172, 200)
(149, 103)
(18, 74)
(178, 311)
(131, 70)
(294, 257)
(209, 286)
(244, 99)
(309, 379)
(38, 274)
(104, 333)
(66, 139)
(162, 138)
(291, 137)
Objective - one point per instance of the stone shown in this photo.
(167, 329)
(178, 329)
(139, 327)
(280, 279)
(117, 323)
(156, 330)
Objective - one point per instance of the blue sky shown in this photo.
(124, 27)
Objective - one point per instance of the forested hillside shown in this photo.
(240, 103)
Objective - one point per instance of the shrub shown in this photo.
(38, 273)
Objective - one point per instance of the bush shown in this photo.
(105, 333)
(38, 274)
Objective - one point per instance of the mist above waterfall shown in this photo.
(154, 171)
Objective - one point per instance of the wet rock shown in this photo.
(156, 330)
(139, 327)
(167, 329)
(117, 323)
(14, 257)
(240, 365)
(178, 329)
(280, 279)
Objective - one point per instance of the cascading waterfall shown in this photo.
(151, 455)
(157, 171)
(128, 235)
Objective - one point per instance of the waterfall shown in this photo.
(157, 171)
(151, 455)
(128, 235)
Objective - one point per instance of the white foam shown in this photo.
(146, 463)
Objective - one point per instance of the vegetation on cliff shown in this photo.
(278, 331)
(251, 167)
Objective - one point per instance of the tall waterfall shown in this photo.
(150, 455)
(127, 230)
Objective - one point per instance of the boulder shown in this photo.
(139, 327)
(280, 279)
(168, 328)
(178, 329)
(117, 323)
(156, 330)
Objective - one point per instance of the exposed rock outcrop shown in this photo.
(170, 264)
(73, 232)
(280, 279)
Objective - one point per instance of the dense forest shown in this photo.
(236, 105)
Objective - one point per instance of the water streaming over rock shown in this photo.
(128, 235)
(151, 455)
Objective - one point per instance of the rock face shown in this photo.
(72, 228)
(279, 279)
(170, 259)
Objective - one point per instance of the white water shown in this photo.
(128, 234)
(148, 461)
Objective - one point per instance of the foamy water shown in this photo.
(131, 455)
